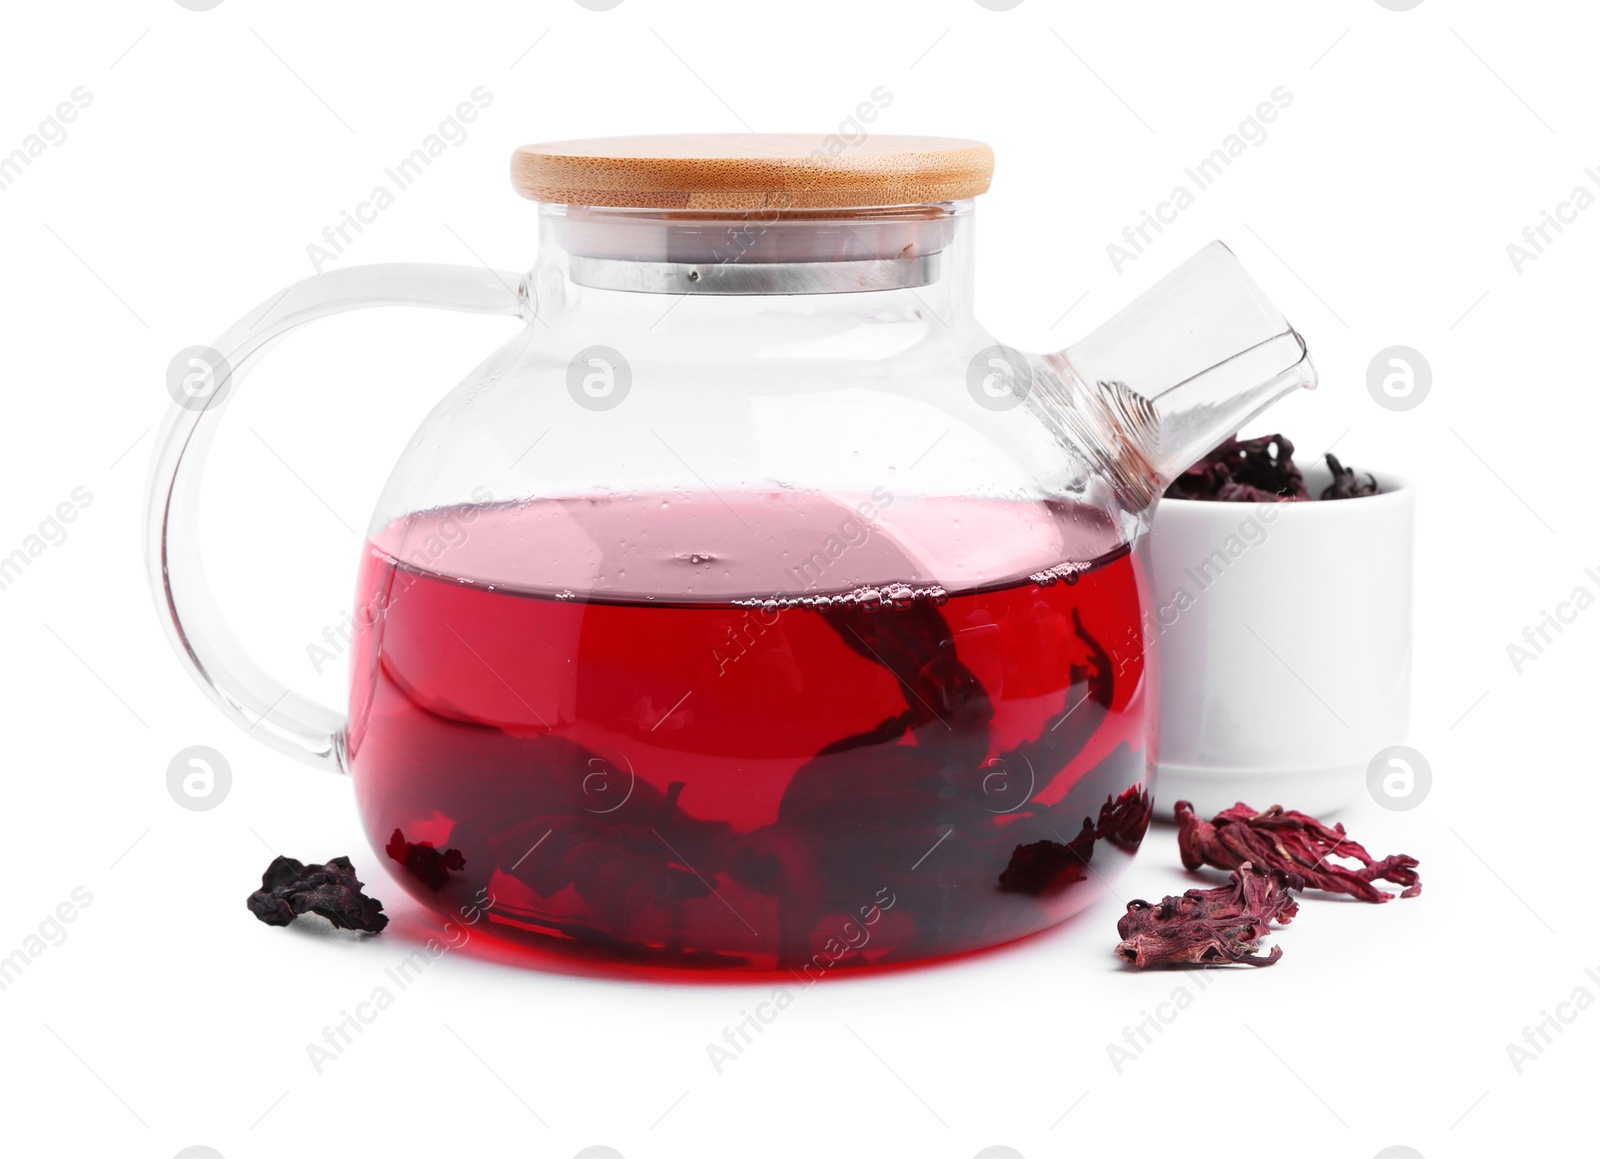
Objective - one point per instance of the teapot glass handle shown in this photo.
(250, 696)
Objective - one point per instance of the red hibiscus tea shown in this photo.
(710, 734)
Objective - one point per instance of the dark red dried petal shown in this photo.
(1346, 484)
(1291, 842)
(290, 888)
(1210, 927)
(1253, 471)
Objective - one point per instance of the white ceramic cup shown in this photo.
(1284, 636)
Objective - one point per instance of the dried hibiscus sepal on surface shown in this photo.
(290, 888)
(1210, 927)
(1293, 843)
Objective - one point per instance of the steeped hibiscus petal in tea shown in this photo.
(724, 776)
(1045, 866)
(430, 866)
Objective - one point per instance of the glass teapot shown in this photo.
(752, 608)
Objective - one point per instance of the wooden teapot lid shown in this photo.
(753, 171)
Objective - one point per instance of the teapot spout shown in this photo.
(1178, 370)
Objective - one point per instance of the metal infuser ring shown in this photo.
(850, 277)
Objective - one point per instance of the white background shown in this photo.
(1378, 211)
